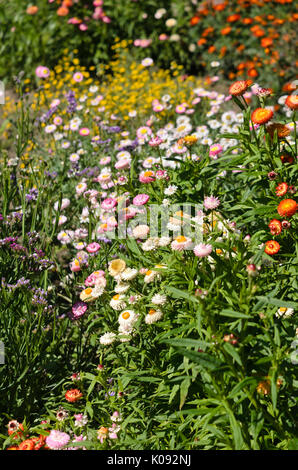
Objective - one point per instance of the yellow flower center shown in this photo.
(125, 315)
(181, 239)
(151, 311)
(88, 291)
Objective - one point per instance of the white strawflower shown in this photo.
(170, 190)
(121, 288)
(107, 338)
(164, 241)
(118, 302)
(126, 319)
(153, 316)
(129, 274)
(159, 299)
(284, 312)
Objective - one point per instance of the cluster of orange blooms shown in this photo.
(63, 10)
(263, 27)
(16, 430)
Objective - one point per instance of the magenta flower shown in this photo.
(93, 247)
(109, 203)
(201, 250)
(211, 202)
(78, 309)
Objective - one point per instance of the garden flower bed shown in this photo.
(148, 257)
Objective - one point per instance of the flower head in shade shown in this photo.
(57, 439)
(201, 250)
(78, 310)
(211, 202)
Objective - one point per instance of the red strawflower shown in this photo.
(275, 227)
(272, 247)
(73, 395)
(281, 189)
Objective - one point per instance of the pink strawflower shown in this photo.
(78, 309)
(57, 439)
(155, 141)
(140, 199)
(109, 203)
(84, 131)
(215, 150)
(201, 250)
(42, 72)
(93, 247)
(211, 202)
(147, 176)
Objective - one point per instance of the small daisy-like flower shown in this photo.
(261, 115)
(281, 189)
(84, 131)
(153, 316)
(107, 338)
(287, 208)
(272, 247)
(147, 62)
(201, 250)
(284, 312)
(211, 202)
(78, 77)
(86, 295)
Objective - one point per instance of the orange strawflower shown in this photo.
(287, 208)
(275, 227)
(32, 10)
(272, 247)
(252, 73)
(261, 115)
(233, 18)
(264, 387)
(226, 31)
(62, 11)
(239, 87)
(194, 20)
(287, 158)
(281, 129)
(28, 444)
(73, 395)
(292, 101)
(266, 42)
